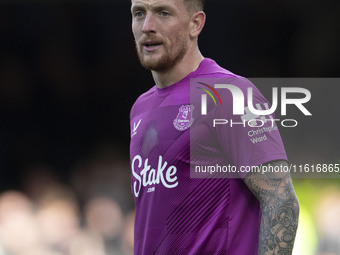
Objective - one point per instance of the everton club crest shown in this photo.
(184, 117)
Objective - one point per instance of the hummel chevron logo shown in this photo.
(135, 127)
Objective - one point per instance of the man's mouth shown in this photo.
(151, 46)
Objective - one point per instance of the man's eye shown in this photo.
(164, 13)
(139, 14)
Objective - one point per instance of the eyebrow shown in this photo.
(137, 7)
(156, 7)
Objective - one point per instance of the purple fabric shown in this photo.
(176, 214)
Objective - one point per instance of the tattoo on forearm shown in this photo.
(280, 211)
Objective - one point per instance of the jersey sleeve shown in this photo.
(247, 139)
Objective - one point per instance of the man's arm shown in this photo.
(280, 210)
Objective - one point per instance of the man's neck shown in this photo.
(179, 71)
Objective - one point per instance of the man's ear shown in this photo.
(197, 24)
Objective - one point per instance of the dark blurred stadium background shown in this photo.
(68, 77)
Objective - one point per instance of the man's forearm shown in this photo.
(280, 210)
(278, 227)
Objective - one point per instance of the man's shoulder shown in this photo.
(212, 73)
(146, 95)
(211, 68)
(143, 98)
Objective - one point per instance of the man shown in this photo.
(175, 214)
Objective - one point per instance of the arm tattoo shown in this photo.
(280, 210)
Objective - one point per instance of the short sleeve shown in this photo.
(247, 139)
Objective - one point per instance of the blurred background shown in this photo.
(68, 78)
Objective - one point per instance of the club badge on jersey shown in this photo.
(184, 117)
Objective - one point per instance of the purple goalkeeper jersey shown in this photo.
(180, 215)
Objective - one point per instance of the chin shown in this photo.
(155, 65)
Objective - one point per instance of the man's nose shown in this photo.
(149, 25)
